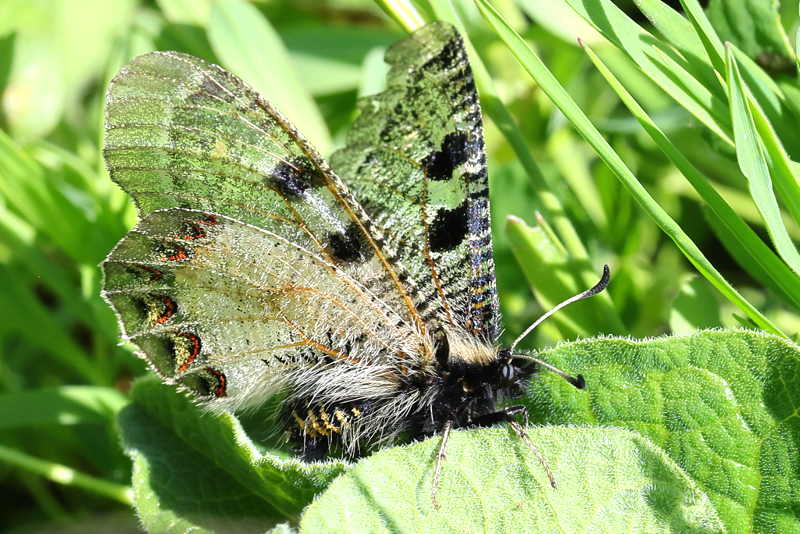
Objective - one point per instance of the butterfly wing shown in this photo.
(415, 160)
(249, 249)
(184, 133)
(233, 311)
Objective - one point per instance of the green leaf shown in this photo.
(608, 481)
(248, 46)
(722, 404)
(65, 405)
(755, 27)
(195, 470)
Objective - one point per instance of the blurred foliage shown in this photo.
(60, 214)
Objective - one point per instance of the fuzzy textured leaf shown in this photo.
(196, 471)
(609, 480)
(723, 405)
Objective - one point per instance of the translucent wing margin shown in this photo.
(415, 161)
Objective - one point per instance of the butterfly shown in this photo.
(362, 291)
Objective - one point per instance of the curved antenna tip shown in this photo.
(601, 285)
(577, 381)
(597, 288)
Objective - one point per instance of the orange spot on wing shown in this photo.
(195, 232)
(222, 382)
(195, 341)
(169, 310)
(180, 254)
(155, 274)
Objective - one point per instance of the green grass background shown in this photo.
(702, 200)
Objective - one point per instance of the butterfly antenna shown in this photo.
(597, 288)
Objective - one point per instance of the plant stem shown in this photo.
(66, 475)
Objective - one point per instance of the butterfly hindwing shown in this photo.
(415, 160)
(231, 310)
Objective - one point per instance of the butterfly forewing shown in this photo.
(181, 132)
(415, 160)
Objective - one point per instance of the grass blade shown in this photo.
(752, 159)
(547, 82)
(711, 41)
(66, 475)
(783, 169)
(536, 251)
(747, 241)
(679, 33)
(65, 405)
(660, 63)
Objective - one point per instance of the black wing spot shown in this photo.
(440, 165)
(349, 246)
(294, 177)
(448, 228)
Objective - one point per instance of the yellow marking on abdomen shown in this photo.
(315, 424)
(326, 420)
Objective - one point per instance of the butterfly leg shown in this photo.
(500, 416)
(507, 415)
(440, 457)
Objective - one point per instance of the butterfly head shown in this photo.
(475, 375)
